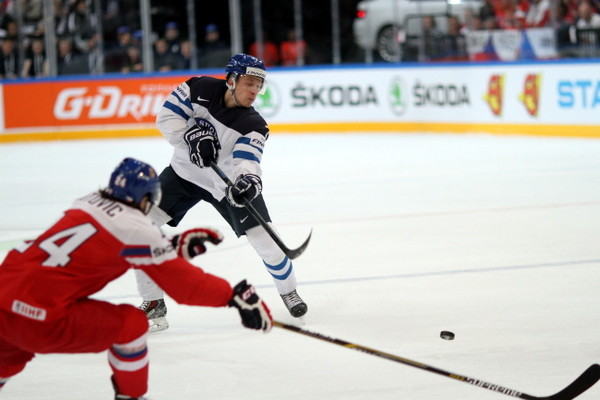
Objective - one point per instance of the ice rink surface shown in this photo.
(494, 238)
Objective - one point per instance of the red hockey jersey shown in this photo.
(96, 241)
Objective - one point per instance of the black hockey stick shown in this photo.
(291, 253)
(586, 380)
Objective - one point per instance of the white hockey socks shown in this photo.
(278, 265)
(146, 286)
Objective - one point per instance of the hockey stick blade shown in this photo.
(290, 253)
(585, 381)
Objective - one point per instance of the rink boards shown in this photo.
(552, 98)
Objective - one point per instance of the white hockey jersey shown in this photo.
(241, 131)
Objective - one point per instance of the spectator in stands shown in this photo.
(469, 17)
(138, 37)
(134, 62)
(512, 19)
(94, 54)
(164, 60)
(291, 49)
(586, 16)
(490, 24)
(61, 13)
(5, 19)
(116, 56)
(567, 12)
(269, 53)
(454, 26)
(12, 30)
(455, 47)
(186, 54)
(510, 14)
(538, 14)
(487, 10)
(117, 13)
(35, 64)
(33, 12)
(9, 59)
(472, 23)
(38, 29)
(432, 38)
(81, 24)
(214, 53)
(172, 37)
(564, 38)
(124, 37)
(69, 62)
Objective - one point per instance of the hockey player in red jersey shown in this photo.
(46, 283)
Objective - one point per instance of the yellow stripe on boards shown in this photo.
(420, 127)
(78, 135)
(574, 131)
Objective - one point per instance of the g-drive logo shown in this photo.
(107, 102)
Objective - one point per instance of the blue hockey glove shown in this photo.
(246, 187)
(203, 146)
(254, 312)
(191, 243)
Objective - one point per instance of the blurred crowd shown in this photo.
(575, 23)
(521, 14)
(81, 50)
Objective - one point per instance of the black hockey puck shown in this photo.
(447, 335)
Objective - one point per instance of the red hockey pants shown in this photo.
(90, 326)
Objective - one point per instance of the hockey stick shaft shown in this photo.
(290, 253)
(578, 386)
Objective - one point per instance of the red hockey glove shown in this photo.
(254, 312)
(190, 243)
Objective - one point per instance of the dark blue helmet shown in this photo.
(244, 64)
(132, 181)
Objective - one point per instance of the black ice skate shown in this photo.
(295, 305)
(156, 311)
(124, 397)
(119, 396)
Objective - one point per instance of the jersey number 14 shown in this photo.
(60, 245)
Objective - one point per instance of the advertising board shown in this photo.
(543, 98)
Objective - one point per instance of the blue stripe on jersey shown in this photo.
(246, 155)
(187, 102)
(177, 110)
(136, 251)
(248, 141)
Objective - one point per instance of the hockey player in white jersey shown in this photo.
(207, 120)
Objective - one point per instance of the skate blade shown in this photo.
(158, 324)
